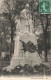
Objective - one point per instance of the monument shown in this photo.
(25, 48)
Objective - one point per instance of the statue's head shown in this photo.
(27, 6)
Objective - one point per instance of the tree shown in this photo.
(45, 25)
(44, 20)
(9, 9)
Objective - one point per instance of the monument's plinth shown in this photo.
(23, 52)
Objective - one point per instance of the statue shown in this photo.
(25, 51)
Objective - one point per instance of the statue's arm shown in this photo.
(31, 26)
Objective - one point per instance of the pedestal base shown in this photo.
(20, 57)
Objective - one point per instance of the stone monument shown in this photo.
(25, 51)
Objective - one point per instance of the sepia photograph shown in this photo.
(25, 38)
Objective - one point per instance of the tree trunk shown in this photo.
(45, 41)
(12, 34)
(46, 59)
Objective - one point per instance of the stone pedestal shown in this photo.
(20, 57)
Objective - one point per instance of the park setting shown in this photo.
(25, 37)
